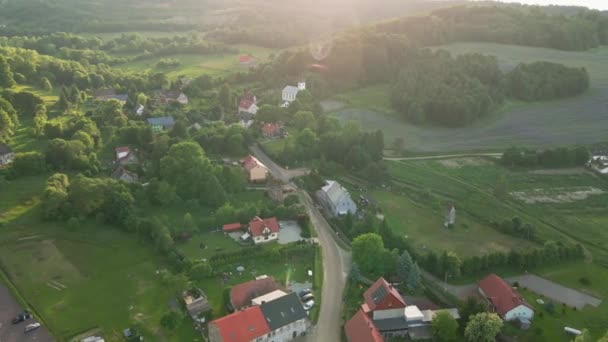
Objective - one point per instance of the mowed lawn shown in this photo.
(205, 245)
(93, 276)
(194, 65)
(577, 120)
(550, 326)
(423, 226)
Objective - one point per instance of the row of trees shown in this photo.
(565, 29)
(545, 81)
(455, 266)
(550, 158)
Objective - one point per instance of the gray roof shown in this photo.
(335, 192)
(165, 121)
(283, 311)
(391, 324)
(4, 149)
(291, 89)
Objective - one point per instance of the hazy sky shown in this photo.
(595, 4)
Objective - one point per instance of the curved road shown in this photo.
(336, 261)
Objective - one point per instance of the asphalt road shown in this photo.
(336, 262)
(9, 332)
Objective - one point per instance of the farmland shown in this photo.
(422, 190)
(577, 120)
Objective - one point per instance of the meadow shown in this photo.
(416, 205)
(194, 65)
(577, 120)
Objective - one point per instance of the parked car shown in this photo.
(32, 327)
(22, 317)
(304, 293)
(308, 305)
(307, 297)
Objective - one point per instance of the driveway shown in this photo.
(9, 332)
(557, 292)
(277, 171)
(336, 262)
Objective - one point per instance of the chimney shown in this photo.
(302, 85)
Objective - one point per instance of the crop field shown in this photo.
(421, 190)
(193, 65)
(577, 120)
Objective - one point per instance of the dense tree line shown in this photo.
(550, 158)
(545, 81)
(581, 29)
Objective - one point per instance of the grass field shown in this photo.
(193, 65)
(215, 242)
(577, 120)
(375, 98)
(423, 189)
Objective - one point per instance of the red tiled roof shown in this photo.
(257, 226)
(231, 227)
(250, 162)
(242, 326)
(242, 294)
(382, 295)
(246, 103)
(502, 296)
(360, 328)
(245, 59)
(270, 128)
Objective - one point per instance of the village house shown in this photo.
(196, 302)
(161, 123)
(6, 155)
(109, 94)
(264, 230)
(272, 130)
(248, 104)
(279, 320)
(336, 199)
(247, 61)
(505, 300)
(125, 156)
(164, 97)
(385, 314)
(125, 175)
(258, 172)
(245, 119)
(241, 295)
(268, 297)
(290, 93)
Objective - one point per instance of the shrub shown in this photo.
(584, 280)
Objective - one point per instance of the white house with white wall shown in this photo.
(505, 300)
(290, 93)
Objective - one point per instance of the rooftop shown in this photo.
(259, 226)
(501, 294)
(242, 294)
(242, 326)
(268, 297)
(382, 295)
(283, 311)
(360, 328)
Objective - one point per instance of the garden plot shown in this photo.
(457, 163)
(556, 195)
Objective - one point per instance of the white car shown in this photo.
(32, 327)
(308, 305)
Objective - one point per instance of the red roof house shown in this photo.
(264, 230)
(360, 328)
(248, 104)
(383, 296)
(241, 326)
(247, 60)
(257, 170)
(231, 227)
(125, 156)
(272, 129)
(242, 294)
(504, 299)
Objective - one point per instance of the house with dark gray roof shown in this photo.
(285, 317)
(161, 123)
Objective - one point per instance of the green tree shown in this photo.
(270, 113)
(224, 97)
(6, 75)
(368, 252)
(585, 336)
(201, 270)
(604, 338)
(171, 320)
(404, 266)
(45, 84)
(413, 277)
(444, 327)
(304, 119)
(189, 224)
(483, 327)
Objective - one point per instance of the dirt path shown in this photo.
(445, 156)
